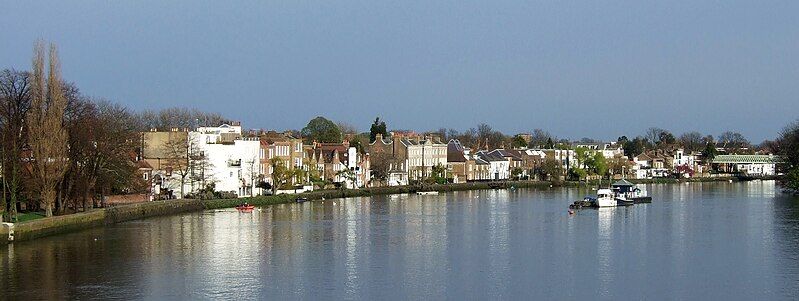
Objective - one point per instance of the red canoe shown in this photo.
(245, 208)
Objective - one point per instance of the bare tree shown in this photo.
(346, 128)
(47, 135)
(653, 134)
(691, 141)
(540, 138)
(733, 141)
(14, 105)
(178, 161)
(381, 164)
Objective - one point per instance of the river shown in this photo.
(698, 241)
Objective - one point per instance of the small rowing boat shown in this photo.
(245, 207)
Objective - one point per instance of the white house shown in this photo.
(423, 155)
(229, 160)
(499, 167)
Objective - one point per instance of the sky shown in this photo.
(574, 68)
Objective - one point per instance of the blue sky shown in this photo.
(574, 68)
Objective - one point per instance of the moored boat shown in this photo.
(245, 207)
(427, 192)
(605, 198)
(628, 193)
(301, 200)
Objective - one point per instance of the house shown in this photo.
(478, 169)
(341, 163)
(565, 157)
(422, 156)
(686, 164)
(642, 163)
(515, 161)
(393, 153)
(225, 158)
(752, 165)
(281, 148)
(166, 153)
(532, 160)
(499, 167)
(457, 165)
(609, 150)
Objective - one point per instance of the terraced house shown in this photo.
(423, 155)
(281, 148)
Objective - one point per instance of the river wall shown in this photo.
(69, 223)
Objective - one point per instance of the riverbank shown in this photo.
(33, 229)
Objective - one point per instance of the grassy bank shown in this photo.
(36, 228)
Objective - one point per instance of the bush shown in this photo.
(792, 180)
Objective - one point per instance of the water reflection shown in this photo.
(695, 241)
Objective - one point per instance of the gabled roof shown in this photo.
(490, 156)
(479, 161)
(514, 155)
(455, 151)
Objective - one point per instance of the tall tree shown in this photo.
(381, 164)
(14, 105)
(733, 142)
(47, 136)
(540, 138)
(691, 141)
(179, 153)
(321, 129)
(518, 142)
(653, 134)
(788, 150)
(378, 127)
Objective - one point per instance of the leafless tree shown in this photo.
(14, 105)
(539, 138)
(692, 141)
(653, 134)
(733, 141)
(381, 164)
(178, 161)
(47, 136)
(182, 118)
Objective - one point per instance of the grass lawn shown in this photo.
(27, 216)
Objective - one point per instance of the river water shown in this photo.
(699, 241)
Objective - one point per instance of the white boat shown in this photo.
(427, 192)
(605, 198)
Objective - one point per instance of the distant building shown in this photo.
(753, 165)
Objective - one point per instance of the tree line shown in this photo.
(62, 151)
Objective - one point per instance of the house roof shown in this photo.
(490, 156)
(745, 159)
(514, 155)
(479, 161)
(455, 151)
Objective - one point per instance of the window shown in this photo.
(298, 147)
(145, 176)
